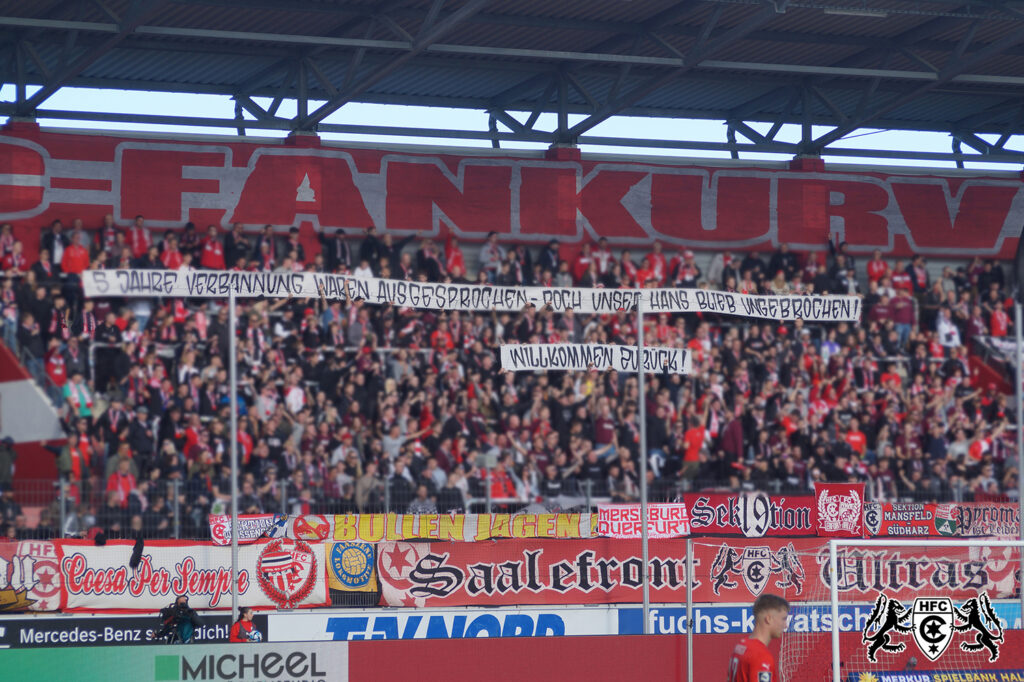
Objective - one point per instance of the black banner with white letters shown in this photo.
(50, 631)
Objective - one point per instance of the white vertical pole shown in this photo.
(233, 381)
(1019, 391)
(833, 572)
(643, 458)
(689, 609)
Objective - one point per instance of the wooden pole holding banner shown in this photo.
(643, 459)
(233, 381)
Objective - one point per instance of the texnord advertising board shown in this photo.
(442, 624)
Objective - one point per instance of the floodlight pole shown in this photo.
(689, 609)
(233, 387)
(643, 458)
(833, 573)
(1018, 390)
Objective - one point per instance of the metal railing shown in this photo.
(35, 366)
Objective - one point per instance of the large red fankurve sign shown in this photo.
(528, 198)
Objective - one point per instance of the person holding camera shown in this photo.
(243, 631)
(178, 622)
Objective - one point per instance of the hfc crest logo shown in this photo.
(756, 565)
(933, 622)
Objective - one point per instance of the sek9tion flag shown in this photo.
(351, 567)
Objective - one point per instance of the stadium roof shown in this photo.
(933, 65)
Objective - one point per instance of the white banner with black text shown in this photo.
(431, 296)
(578, 357)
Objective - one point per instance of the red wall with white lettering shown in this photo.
(45, 176)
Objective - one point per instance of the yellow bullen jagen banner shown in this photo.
(462, 527)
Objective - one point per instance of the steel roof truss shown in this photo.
(138, 13)
(697, 53)
(438, 31)
(866, 56)
(951, 70)
(995, 156)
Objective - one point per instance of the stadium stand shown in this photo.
(346, 407)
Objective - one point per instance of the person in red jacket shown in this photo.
(15, 263)
(582, 262)
(139, 238)
(213, 251)
(243, 631)
(76, 256)
(122, 481)
(751, 661)
(454, 257)
(171, 256)
(876, 267)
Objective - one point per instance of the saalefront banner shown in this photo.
(596, 571)
(523, 198)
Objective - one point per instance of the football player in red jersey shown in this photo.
(751, 661)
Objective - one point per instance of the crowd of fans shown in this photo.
(347, 407)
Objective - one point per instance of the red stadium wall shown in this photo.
(45, 176)
(653, 657)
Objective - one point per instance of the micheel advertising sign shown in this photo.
(310, 662)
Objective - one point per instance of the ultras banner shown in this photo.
(280, 573)
(430, 296)
(739, 570)
(523, 198)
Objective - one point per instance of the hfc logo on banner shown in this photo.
(933, 622)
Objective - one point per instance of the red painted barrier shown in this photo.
(594, 659)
